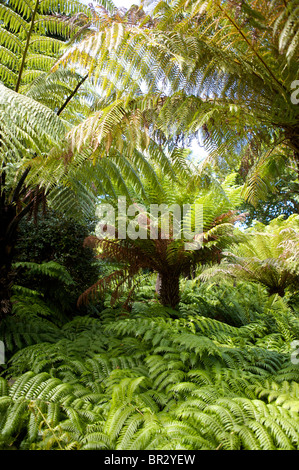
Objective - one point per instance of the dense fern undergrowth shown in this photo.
(217, 373)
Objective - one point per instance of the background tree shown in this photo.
(281, 199)
(55, 237)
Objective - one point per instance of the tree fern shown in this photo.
(268, 255)
(225, 69)
(166, 253)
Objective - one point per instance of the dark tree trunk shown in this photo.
(6, 282)
(292, 135)
(9, 222)
(8, 240)
(168, 286)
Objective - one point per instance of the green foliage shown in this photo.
(282, 199)
(268, 254)
(27, 127)
(226, 69)
(145, 380)
(170, 251)
(55, 238)
(33, 35)
(217, 371)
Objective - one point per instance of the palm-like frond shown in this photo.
(223, 70)
(269, 255)
(27, 127)
(33, 35)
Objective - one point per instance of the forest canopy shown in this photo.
(149, 225)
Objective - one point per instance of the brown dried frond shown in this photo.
(229, 217)
(35, 197)
(127, 305)
(117, 278)
(97, 290)
(91, 241)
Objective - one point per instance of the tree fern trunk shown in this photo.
(158, 284)
(169, 288)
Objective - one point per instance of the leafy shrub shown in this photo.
(60, 239)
